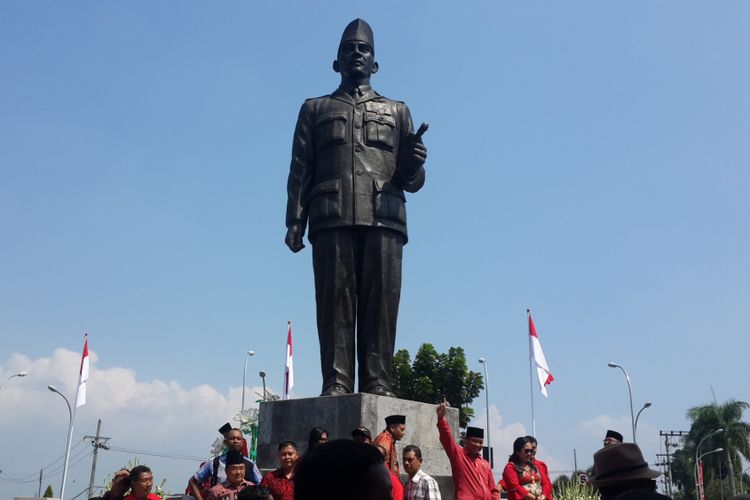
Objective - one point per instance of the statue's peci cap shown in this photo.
(358, 30)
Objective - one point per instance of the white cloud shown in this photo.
(597, 427)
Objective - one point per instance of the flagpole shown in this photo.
(70, 431)
(531, 381)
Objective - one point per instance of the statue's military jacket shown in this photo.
(349, 166)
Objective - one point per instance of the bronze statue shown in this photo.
(354, 154)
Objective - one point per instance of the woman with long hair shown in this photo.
(521, 476)
(318, 436)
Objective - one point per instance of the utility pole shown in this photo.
(39, 494)
(97, 442)
(666, 480)
(668, 436)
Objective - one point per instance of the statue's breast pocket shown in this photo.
(380, 127)
(330, 129)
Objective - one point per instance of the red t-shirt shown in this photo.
(282, 488)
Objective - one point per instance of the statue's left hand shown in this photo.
(294, 238)
(417, 153)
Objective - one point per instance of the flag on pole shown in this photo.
(537, 358)
(289, 367)
(83, 375)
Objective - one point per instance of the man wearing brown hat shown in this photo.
(354, 154)
(395, 426)
(620, 468)
(472, 474)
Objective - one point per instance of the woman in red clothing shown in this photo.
(522, 478)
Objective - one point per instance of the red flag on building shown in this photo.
(537, 358)
(289, 367)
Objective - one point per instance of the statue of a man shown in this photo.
(354, 154)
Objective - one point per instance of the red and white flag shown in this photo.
(289, 367)
(83, 374)
(537, 358)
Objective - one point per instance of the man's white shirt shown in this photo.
(421, 487)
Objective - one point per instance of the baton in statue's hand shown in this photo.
(422, 129)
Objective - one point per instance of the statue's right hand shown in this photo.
(294, 238)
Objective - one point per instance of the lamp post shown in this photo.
(630, 394)
(487, 402)
(19, 374)
(699, 484)
(244, 372)
(637, 415)
(67, 448)
(263, 377)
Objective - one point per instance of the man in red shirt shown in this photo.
(472, 475)
(543, 471)
(395, 427)
(281, 481)
(141, 481)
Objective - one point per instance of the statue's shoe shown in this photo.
(379, 390)
(335, 390)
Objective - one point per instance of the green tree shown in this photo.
(735, 439)
(48, 492)
(683, 472)
(434, 376)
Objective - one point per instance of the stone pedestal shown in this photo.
(339, 415)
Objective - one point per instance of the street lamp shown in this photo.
(630, 394)
(67, 449)
(19, 374)
(487, 402)
(697, 459)
(244, 372)
(263, 377)
(700, 486)
(637, 415)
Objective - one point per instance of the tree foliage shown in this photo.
(434, 376)
(735, 440)
(48, 492)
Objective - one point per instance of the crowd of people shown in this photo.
(369, 469)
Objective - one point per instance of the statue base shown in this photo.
(339, 415)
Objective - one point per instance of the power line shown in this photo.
(34, 474)
(53, 473)
(156, 454)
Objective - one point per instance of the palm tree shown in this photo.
(735, 439)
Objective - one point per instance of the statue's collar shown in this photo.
(355, 93)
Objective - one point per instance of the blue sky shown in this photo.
(586, 159)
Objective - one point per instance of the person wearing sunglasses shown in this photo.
(521, 475)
